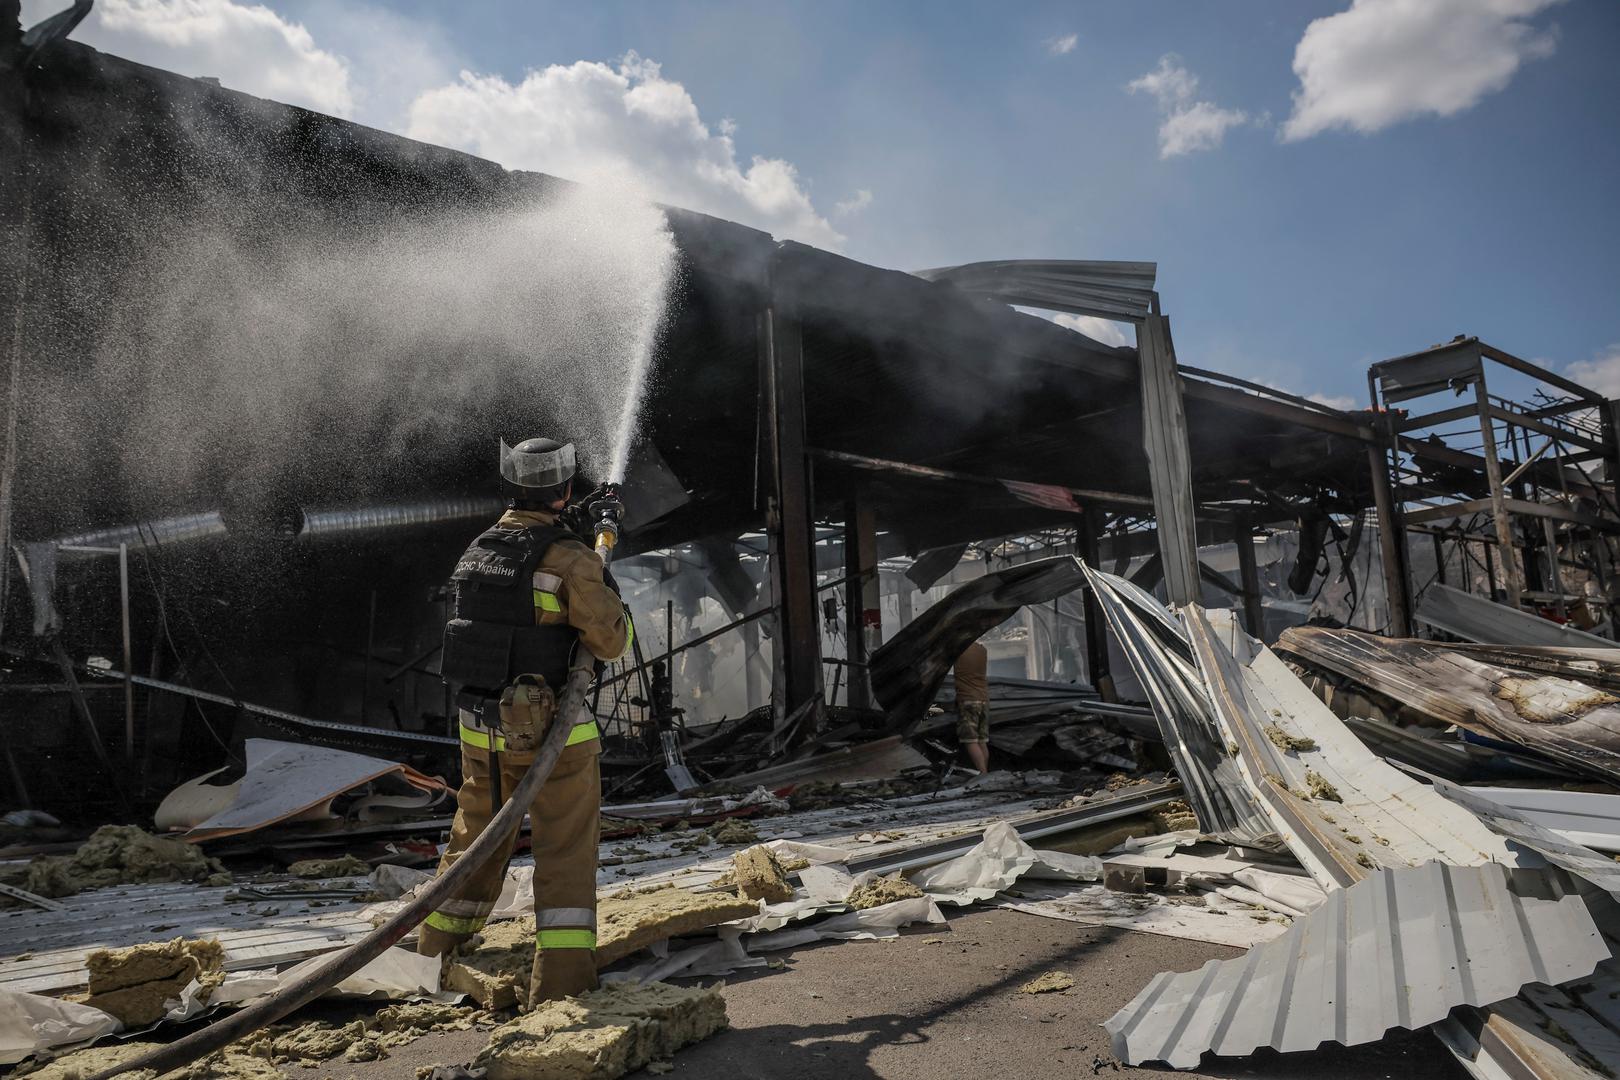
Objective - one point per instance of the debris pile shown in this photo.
(733, 831)
(117, 855)
(133, 984)
(347, 866)
(366, 1039)
(603, 1034)
(1455, 883)
(882, 890)
(493, 967)
(759, 875)
(1050, 982)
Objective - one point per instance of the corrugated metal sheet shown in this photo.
(906, 671)
(1400, 949)
(1475, 618)
(1219, 795)
(1570, 1032)
(1523, 829)
(1342, 802)
(255, 934)
(1109, 290)
(1587, 818)
(1556, 714)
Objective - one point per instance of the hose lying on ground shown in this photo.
(356, 956)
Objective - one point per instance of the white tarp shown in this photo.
(284, 780)
(30, 1023)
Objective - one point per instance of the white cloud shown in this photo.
(588, 119)
(1342, 402)
(247, 47)
(1384, 61)
(1186, 125)
(1062, 45)
(1104, 330)
(1601, 373)
(1200, 126)
(854, 204)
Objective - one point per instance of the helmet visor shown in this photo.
(549, 468)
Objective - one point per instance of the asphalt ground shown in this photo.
(943, 1002)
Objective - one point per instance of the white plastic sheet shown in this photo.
(399, 974)
(30, 1023)
(516, 899)
(994, 863)
(720, 957)
(882, 921)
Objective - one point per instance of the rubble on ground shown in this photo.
(733, 831)
(617, 827)
(228, 1064)
(1174, 817)
(366, 1039)
(880, 891)
(603, 1034)
(347, 866)
(758, 875)
(1285, 741)
(133, 984)
(116, 855)
(493, 967)
(1050, 982)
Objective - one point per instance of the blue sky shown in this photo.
(986, 131)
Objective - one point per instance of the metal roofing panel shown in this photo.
(1399, 949)
(1376, 810)
(1559, 715)
(1475, 618)
(1109, 290)
(1219, 796)
(1588, 818)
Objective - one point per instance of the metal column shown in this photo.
(129, 653)
(1164, 437)
(797, 643)
(863, 611)
(1511, 579)
(1097, 672)
(1254, 615)
(1391, 528)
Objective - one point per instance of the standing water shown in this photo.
(336, 357)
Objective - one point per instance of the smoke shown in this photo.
(332, 359)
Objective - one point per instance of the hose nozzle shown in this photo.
(607, 510)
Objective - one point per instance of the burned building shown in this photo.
(239, 463)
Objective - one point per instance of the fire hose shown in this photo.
(311, 986)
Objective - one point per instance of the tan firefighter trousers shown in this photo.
(563, 823)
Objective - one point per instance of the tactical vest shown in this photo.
(491, 637)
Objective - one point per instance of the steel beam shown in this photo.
(1254, 615)
(1097, 671)
(863, 597)
(789, 520)
(1511, 579)
(1391, 545)
(1164, 437)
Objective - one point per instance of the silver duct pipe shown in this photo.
(174, 530)
(320, 524)
(314, 525)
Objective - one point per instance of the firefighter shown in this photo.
(526, 594)
(973, 704)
